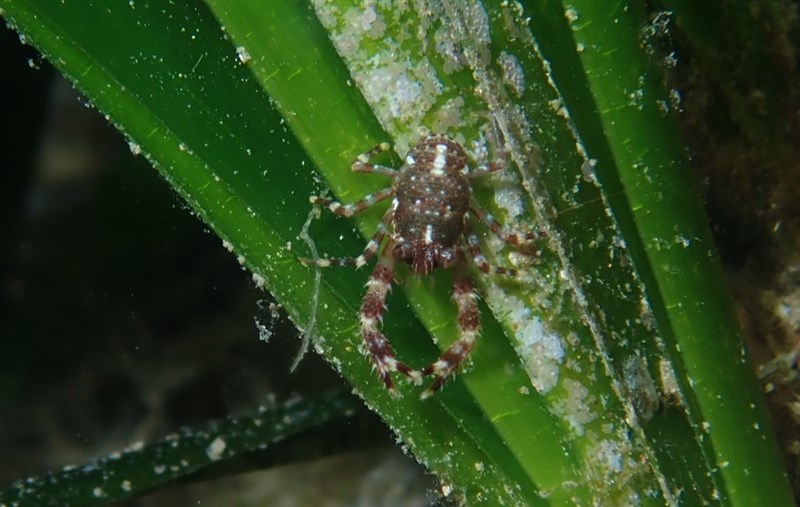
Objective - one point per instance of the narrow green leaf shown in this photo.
(688, 295)
(145, 467)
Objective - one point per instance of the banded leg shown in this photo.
(369, 251)
(362, 163)
(376, 346)
(491, 222)
(469, 324)
(348, 210)
(482, 263)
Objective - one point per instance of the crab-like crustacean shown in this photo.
(426, 226)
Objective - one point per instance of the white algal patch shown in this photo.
(513, 75)
(264, 329)
(509, 198)
(476, 21)
(576, 407)
(242, 54)
(215, 450)
(641, 387)
(400, 86)
(571, 14)
(609, 457)
(541, 350)
(260, 281)
(372, 24)
(543, 353)
(402, 91)
(447, 47)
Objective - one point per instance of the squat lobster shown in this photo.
(425, 226)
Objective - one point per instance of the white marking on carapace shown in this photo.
(428, 234)
(440, 160)
(410, 160)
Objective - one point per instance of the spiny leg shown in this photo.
(362, 163)
(469, 323)
(348, 210)
(366, 255)
(491, 222)
(375, 343)
(482, 263)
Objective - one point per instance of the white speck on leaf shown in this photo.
(215, 450)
